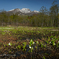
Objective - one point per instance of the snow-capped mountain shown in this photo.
(14, 10)
(23, 11)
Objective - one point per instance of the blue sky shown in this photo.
(31, 4)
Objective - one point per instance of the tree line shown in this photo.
(44, 19)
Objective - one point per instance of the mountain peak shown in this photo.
(17, 9)
(25, 10)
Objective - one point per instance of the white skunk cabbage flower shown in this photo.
(30, 47)
(9, 44)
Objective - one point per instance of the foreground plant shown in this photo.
(31, 49)
(41, 44)
(10, 51)
(47, 41)
(24, 47)
(57, 44)
(31, 42)
(31, 46)
(18, 46)
(43, 57)
(52, 42)
(45, 46)
(4, 45)
(10, 44)
(37, 43)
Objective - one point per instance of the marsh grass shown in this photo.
(21, 33)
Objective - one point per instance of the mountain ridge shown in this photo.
(23, 11)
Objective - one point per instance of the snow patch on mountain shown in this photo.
(36, 11)
(11, 10)
(25, 10)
